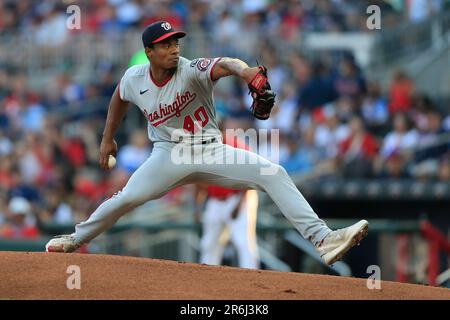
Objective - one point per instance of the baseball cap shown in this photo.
(158, 31)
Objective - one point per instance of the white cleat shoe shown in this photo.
(63, 243)
(337, 243)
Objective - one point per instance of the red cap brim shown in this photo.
(179, 34)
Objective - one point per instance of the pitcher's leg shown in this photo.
(258, 172)
(150, 181)
(294, 206)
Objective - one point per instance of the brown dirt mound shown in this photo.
(25, 275)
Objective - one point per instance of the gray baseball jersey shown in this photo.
(182, 106)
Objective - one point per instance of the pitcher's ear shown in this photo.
(149, 52)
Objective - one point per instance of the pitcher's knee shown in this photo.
(281, 172)
(131, 200)
(271, 174)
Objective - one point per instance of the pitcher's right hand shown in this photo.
(107, 147)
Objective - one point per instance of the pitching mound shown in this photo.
(26, 275)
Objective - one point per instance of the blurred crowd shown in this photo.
(286, 17)
(334, 120)
(49, 152)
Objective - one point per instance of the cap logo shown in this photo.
(166, 26)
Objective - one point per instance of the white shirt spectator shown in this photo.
(6, 146)
(375, 111)
(399, 141)
(330, 139)
(252, 6)
(282, 116)
(63, 214)
(227, 29)
(277, 77)
(29, 167)
(446, 123)
(128, 12)
(53, 31)
(132, 155)
(420, 10)
(33, 117)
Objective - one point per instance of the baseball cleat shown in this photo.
(63, 243)
(337, 243)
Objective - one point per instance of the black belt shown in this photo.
(202, 142)
(209, 141)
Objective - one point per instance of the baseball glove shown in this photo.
(262, 94)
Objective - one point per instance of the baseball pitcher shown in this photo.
(176, 97)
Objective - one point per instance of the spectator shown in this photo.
(74, 151)
(403, 138)
(3, 208)
(22, 223)
(276, 71)
(444, 169)
(55, 209)
(422, 106)
(395, 167)
(401, 93)
(374, 108)
(6, 145)
(429, 141)
(8, 18)
(318, 89)
(284, 113)
(303, 155)
(446, 123)
(33, 116)
(346, 108)
(163, 11)
(419, 10)
(6, 177)
(331, 133)
(349, 82)
(226, 28)
(52, 31)
(72, 92)
(292, 21)
(132, 155)
(128, 13)
(22, 187)
(358, 151)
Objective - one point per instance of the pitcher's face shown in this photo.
(165, 54)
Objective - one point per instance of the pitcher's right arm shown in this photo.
(116, 111)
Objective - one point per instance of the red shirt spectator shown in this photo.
(74, 150)
(401, 93)
(360, 144)
(367, 146)
(19, 232)
(292, 21)
(7, 180)
(164, 12)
